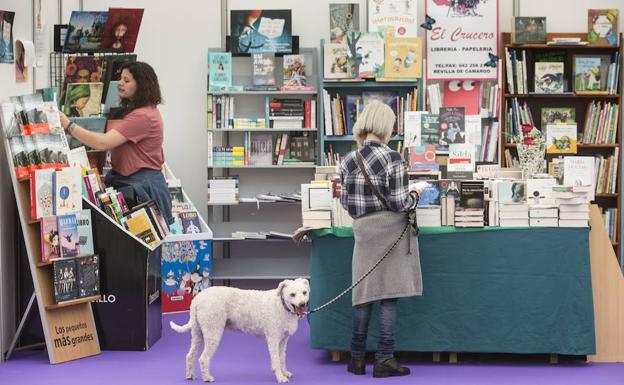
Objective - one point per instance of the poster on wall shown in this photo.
(462, 39)
(255, 31)
(393, 17)
(6, 37)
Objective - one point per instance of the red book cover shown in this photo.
(50, 241)
(122, 28)
(306, 116)
(465, 94)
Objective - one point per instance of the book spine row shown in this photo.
(516, 71)
(610, 218)
(490, 100)
(220, 111)
(517, 114)
(601, 122)
(488, 150)
(607, 173)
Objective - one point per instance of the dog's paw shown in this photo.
(208, 378)
(287, 374)
(190, 376)
(281, 378)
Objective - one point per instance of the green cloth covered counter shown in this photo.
(498, 290)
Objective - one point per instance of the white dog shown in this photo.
(272, 314)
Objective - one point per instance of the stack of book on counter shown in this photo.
(286, 113)
(573, 205)
(513, 214)
(543, 216)
(316, 205)
(428, 216)
(468, 217)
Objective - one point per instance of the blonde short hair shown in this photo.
(377, 119)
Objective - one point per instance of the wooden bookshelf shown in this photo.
(578, 101)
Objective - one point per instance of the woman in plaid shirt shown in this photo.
(378, 221)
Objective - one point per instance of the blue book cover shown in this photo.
(220, 67)
(85, 232)
(261, 30)
(85, 31)
(68, 234)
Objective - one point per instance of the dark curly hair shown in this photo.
(147, 90)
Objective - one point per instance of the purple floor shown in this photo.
(243, 359)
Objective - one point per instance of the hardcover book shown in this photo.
(430, 132)
(294, 71)
(412, 134)
(65, 280)
(83, 99)
(591, 73)
(452, 125)
(85, 31)
(260, 30)
(343, 18)
(393, 17)
(472, 195)
(511, 192)
(554, 115)
(85, 232)
(263, 67)
(88, 276)
(67, 190)
(220, 66)
(430, 196)
(82, 69)
(549, 78)
(602, 26)
(528, 30)
(561, 138)
(68, 234)
(579, 171)
(366, 54)
(355, 106)
(139, 224)
(461, 158)
(50, 241)
(335, 58)
(422, 158)
(403, 57)
(122, 29)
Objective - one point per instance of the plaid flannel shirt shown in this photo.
(387, 172)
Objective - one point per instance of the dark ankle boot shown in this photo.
(357, 366)
(389, 367)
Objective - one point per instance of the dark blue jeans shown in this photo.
(387, 321)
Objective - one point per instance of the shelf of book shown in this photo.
(342, 100)
(73, 302)
(262, 93)
(580, 104)
(263, 268)
(258, 162)
(563, 96)
(262, 129)
(255, 202)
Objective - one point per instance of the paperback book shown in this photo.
(88, 276)
(561, 138)
(294, 71)
(83, 99)
(50, 241)
(65, 277)
(366, 54)
(602, 26)
(343, 18)
(263, 67)
(403, 57)
(549, 78)
(68, 234)
(220, 67)
(85, 232)
(528, 30)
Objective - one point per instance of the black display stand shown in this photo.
(128, 316)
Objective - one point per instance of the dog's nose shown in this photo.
(302, 304)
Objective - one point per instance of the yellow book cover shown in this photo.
(561, 138)
(403, 57)
(139, 224)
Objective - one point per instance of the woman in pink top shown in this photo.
(135, 140)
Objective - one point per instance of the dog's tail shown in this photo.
(189, 325)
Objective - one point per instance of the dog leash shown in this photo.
(344, 292)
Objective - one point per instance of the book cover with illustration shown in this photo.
(343, 18)
(463, 93)
(579, 171)
(452, 125)
(88, 276)
(261, 30)
(430, 132)
(366, 54)
(412, 132)
(83, 99)
(430, 196)
(528, 30)
(190, 222)
(68, 234)
(336, 61)
(220, 66)
(85, 31)
(139, 224)
(294, 71)
(602, 26)
(393, 17)
(262, 69)
(558, 115)
(85, 232)
(403, 58)
(82, 69)
(30, 114)
(511, 191)
(41, 193)
(591, 73)
(261, 149)
(354, 107)
(549, 78)
(65, 280)
(122, 29)
(186, 270)
(423, 158)
(67, 190)
(50, 239)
